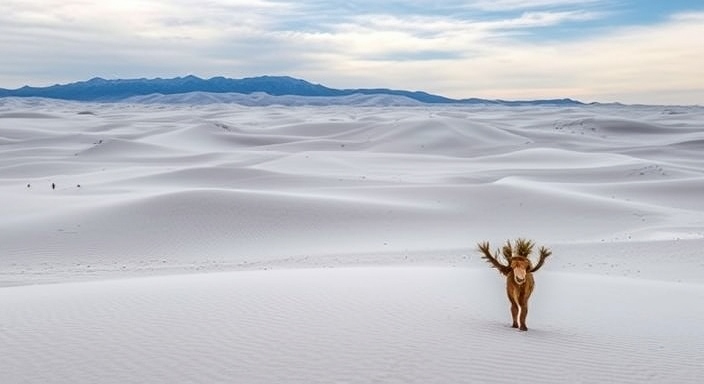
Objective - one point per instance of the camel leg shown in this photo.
(513, 298)
(524, 313)
(514, 314)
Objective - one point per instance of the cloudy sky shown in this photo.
(633, 51)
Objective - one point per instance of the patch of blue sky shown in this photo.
(595, 18)
(586, 17)
(644, 12)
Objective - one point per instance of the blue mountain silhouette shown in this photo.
(99, 89)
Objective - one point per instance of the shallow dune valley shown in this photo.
(169, 241)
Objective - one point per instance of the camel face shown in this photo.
(520, 266)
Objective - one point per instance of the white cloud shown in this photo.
(657, 64)
(542, 19)
(512, 5)
(50, 41)
(649, 64)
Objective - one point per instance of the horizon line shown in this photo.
(451, 99)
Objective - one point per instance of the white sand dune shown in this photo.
(190, 243)
(361, 325)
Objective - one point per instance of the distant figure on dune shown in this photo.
(53, 186)
(519, 274)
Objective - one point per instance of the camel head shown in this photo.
(521, 266)
(516, 258)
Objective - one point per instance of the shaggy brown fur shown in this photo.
(518, 272)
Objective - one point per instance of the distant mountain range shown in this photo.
(98, 89)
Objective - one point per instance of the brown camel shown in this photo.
(518, 272)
